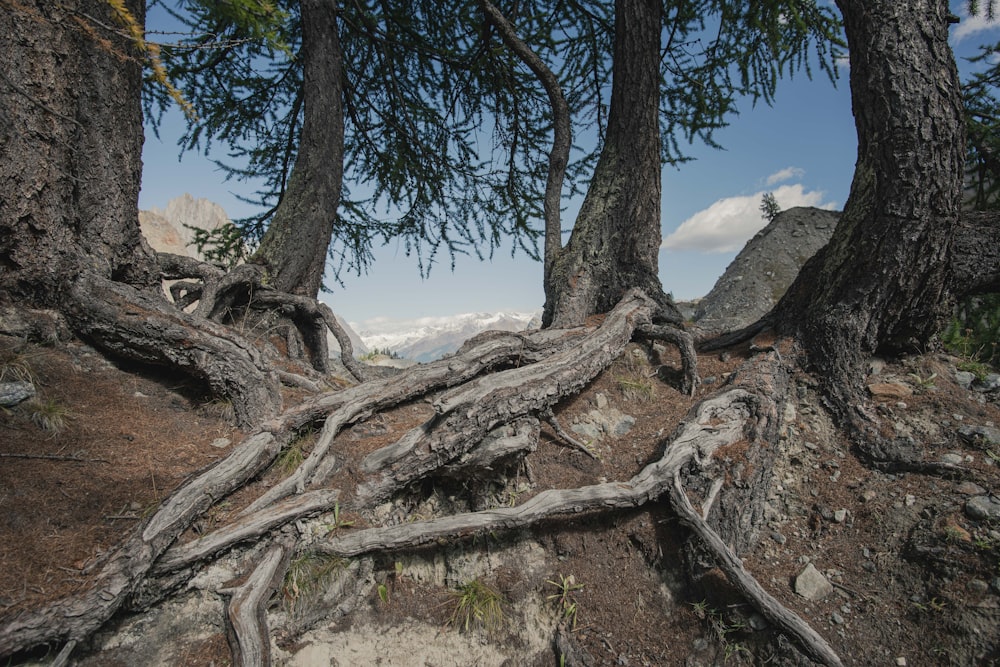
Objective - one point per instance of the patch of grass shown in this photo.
(48, 414)
(723, 629)
(565, 597)
(921, 383)
(478, 606)
(292, 456)
(15, 365)
(977, 368)
(307, 575)
(220, 408)
(636, 389)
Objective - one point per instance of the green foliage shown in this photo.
(447, 132)
(383, 352)
(769, 208)
(974, 332)
(982, 118)
(726, 630)
(565, 597)
(478, 606)
(223, 245)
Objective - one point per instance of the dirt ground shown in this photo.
(916, 579)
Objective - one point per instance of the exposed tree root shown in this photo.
(486, 419)
(249, 637)
(811, 642)
(141, 327)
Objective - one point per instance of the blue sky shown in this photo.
(802, 149)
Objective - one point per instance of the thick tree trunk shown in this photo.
(615, 243)
(70, 167)
(294, 249)
(70, 146)
(881, 284)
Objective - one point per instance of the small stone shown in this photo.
(953, 458)
(12, 393)
(957, 417)
(837, 618)
(221, 443)
(135, 506)
(890, 390)
(901, 662)
(965, 379)
(996, 584)
(991, 382)
(868, 495)
(757, 622)
(983, 508)
(139, 394)
(778, 537)
(811, 584)
(970, 489)
(840, 516)
(901, 405)
(602, 401)
(978, 586)
(910, 500)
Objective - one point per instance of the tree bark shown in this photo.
(294, 249)
(615, 243)
(881, 284)
(70, 146)
(70, 167)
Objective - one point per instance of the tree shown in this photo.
(294, 249)
(881, 285)
(423, 85)
(71, 166)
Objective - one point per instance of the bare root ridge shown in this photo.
(539, 370)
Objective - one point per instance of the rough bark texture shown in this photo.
(881, 284)
(70, 170)
(70, 143)
(615, 243)
(295, 246)
(975, 254)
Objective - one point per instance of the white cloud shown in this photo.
(786, 174)
(729, 223)
(972, 25)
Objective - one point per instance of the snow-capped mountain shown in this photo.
(428, 338)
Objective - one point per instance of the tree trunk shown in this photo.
(881, 284)
(294, 249)
(70, 168)
(70, 147)
(615, 243)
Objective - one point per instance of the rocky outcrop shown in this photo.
(761, 273)
(168, 230)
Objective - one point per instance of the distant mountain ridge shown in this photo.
(429, 338)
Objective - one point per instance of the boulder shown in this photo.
(765, 268)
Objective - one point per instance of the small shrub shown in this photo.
(48, 415)
(477, 605)
(565, 597)
(307, 575)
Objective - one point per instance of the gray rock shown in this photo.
(812, 585)
(953, 458)
(980, 435)
(990, 383)
(764, 269)
(983, 508)
(12, 393)
(964, 379)
(221, 443)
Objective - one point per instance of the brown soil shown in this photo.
(915, 578)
